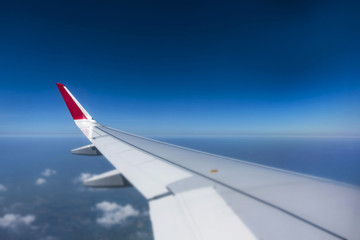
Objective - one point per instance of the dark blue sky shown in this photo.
(182, 67)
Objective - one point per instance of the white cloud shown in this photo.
(83, 177)
(114, 213)
(48, 172)
(2, 188)
(13, 221)
(40, 181)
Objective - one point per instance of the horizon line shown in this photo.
(2, 135)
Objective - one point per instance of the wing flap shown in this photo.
(199, 214)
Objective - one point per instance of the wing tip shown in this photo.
(76, 110)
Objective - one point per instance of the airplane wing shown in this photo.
(196, 195)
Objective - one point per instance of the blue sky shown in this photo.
(182, 67)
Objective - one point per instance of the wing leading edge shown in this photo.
(196, 195)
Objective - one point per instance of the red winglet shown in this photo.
(74, 109)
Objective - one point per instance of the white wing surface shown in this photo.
(196, 195)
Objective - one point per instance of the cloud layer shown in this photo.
(12, 221)
(112, 213)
